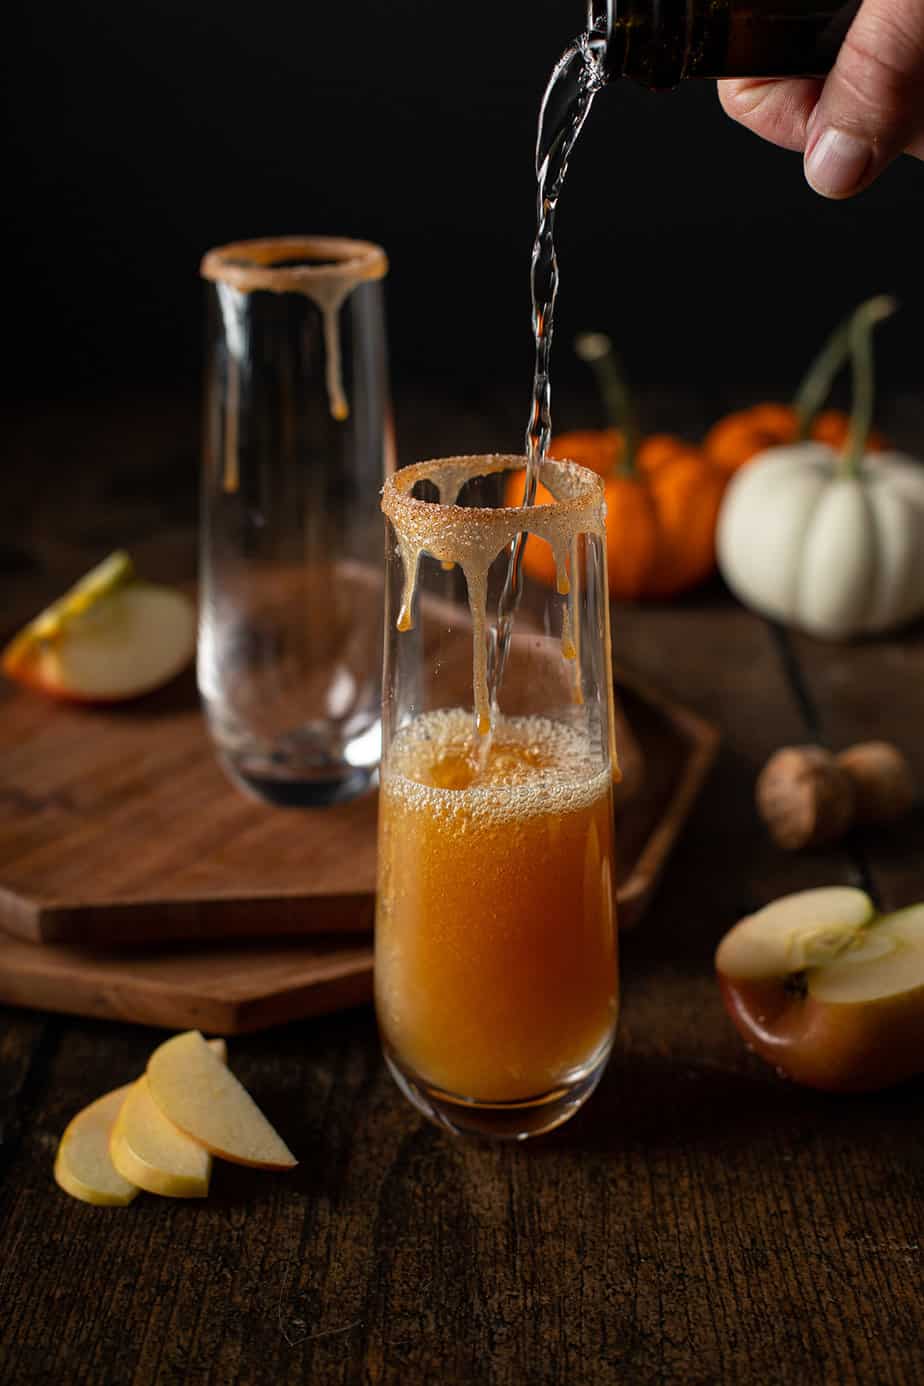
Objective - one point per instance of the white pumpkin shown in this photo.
(835, 550)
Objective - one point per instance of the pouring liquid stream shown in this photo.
(575, 81)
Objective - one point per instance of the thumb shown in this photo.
(872, 104)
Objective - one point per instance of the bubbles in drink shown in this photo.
(496, 972)
(534, 765)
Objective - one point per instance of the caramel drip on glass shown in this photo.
(472, 537)
(329, 298)
(568, 647)
(574, 626)
(331, 268)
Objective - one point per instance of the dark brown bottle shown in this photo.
(661, 42)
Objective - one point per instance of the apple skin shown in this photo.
(28, 677)
(835, 1047)
(88, 667)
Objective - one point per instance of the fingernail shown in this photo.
(836, 163)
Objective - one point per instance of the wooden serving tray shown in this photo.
(126, 853)
(117, 826)
(229, 990)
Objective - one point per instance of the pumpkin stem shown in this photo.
(597, 350)
(818, 379)
(860, 338)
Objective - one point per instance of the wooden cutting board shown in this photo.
(129, 857)
(230, 991)
(117, 827)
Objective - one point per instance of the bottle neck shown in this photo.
(661, 42)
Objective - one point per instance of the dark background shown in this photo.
(137, 136)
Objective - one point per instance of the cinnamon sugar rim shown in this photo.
(577, 487)
(249, 265)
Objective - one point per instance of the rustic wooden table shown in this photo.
(701, 1221)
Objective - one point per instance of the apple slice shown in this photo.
(151, 1152)
(794, 932)
(828, 992)
(110, 638)
(83, 1167)
(198, 1094)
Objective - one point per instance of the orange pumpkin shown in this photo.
(738, 437)
(661, 511)
(832, 426)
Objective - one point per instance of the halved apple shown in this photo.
(827, 991)
(198, 1094)
(151, 1152)
(110, 638)
(83, 1167)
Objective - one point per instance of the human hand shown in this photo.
(869, 109)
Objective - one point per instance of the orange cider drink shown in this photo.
(496, 977)
(496, 971)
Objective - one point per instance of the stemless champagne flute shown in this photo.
(495, 956)
(297, 444)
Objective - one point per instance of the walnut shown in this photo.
(805, 797)
(882, 781)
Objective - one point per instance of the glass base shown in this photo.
(308, 768)
(504, 1121)
(296, 793)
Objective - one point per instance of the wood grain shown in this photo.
(234, 988)
(701, 1223)
(866, 691)
(117, 827)
(228, 991)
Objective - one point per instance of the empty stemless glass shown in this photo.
(495, 952)
(297, 443)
